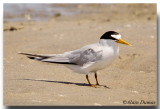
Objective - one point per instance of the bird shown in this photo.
(88, 59)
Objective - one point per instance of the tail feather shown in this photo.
(35, 55)
(59, 59)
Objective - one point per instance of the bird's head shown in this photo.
(112, 35)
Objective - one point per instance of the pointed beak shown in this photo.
(123, 42)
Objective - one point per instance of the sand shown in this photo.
(131, 78)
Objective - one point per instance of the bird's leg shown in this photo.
(92, 85)
(97, 81)
(96, 78)
(88, 80)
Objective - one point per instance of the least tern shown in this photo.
(88, 59)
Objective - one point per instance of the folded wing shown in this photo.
(76, 57)
(50, 58)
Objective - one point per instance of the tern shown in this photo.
(88, 59)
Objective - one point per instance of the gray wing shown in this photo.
(77, 57)
(82, 57)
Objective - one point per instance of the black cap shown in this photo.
(107, 35)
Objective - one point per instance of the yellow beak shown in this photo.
(123, 42)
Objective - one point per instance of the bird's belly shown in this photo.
(100, 65)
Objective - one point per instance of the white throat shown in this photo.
(110, 44)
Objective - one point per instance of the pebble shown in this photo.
(60, 95)
(97, 104)
(135, 91)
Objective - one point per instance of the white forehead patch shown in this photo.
(118, 36)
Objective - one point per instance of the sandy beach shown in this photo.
(132, 77)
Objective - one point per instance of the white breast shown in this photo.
(109, 55)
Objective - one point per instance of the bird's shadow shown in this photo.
(61, 82)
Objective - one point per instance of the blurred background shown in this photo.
(44, 12)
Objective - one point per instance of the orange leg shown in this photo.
(96, 79)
